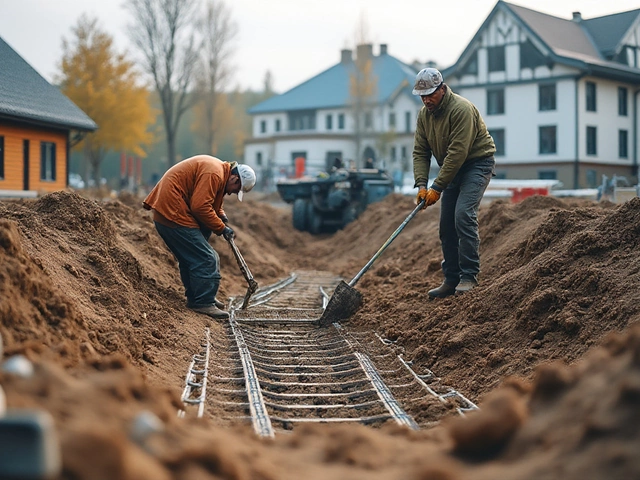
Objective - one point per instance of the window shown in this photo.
(498, 139)
(407, 122)
(278, 125)
(1, 157)
(547, 175)
(495, 102)
(547, 97)
(392, 121)
(393, 153)
(47, 161)
(404, 152)
(302, 120)
(258, 158)
(341, 121)
(591, 97)
(500, 175)
(623, 144)
(592, 146)
(547, 139)
(496, 59)
(263, 126)
(592, 178)
(368, 120)
(622, 101)
(328, 121)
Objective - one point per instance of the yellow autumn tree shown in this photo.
(105, 85)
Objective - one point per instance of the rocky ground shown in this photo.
(548, 345)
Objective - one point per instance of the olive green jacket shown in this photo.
(454, 133)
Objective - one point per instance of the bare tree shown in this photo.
(362, 85)
(218, 31)
(163, 32)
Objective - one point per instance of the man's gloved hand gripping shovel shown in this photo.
(346, 300)
(253, 285)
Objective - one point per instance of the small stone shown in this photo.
(18, 365)
(144, 424)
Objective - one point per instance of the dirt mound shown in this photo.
(92, 295)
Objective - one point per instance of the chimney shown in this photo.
(345, 56)
(383, 49)
(577, 17)
(364, 52)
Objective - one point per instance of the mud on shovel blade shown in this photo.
(253, 285)
(346, 300)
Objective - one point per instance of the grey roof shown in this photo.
(330, 89)
(586, 45)
(557, 33)
(608, 32)
(26, 96)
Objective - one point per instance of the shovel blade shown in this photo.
(344, 302)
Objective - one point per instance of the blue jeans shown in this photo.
(197, 260)
(459, 221)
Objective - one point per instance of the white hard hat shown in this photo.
(247, 179)
(427, 81)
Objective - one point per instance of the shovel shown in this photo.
(346, 300)
(253, 285)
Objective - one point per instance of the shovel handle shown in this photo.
(387, 243)
(241, 263)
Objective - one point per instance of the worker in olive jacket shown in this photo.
(451, 129)
(187, 208)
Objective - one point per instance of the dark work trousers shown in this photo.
(199, 263)
(459, 220)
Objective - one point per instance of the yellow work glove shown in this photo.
(432, 196)
(422, 195)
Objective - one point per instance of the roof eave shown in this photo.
(39, 122)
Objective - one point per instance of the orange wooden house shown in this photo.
(37, 125)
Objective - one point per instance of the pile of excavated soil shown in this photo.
(548, 344)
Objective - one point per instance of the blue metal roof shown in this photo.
(330, 89)
(26, 96)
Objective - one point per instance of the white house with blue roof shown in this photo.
(315, 120)
(559, 96)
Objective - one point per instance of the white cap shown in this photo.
(247, 179)
(427, 80)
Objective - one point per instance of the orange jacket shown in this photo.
(191, 193)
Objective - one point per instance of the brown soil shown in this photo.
(548, 344)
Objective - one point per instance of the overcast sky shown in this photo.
(293, 39)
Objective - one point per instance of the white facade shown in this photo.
(332, 134)
(588, 143)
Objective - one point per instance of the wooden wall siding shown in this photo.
(13, 165)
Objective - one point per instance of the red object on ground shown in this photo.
(520, 193)
(299, 165)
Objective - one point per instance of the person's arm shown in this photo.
(201, 203)
(421, 153)
(461, 136)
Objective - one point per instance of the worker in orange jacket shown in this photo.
(187, 208)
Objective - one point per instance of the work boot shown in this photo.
(465, 285)
(442, 291)
(218, 304)
(212, 311)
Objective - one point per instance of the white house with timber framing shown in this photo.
(559, 96)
